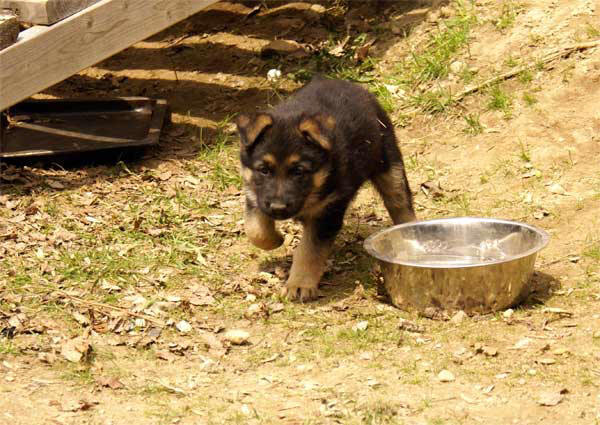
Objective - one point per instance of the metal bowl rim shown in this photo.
(368, 243)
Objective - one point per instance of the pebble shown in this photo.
(183, 326)
(507, 314)
(458, 317)
(446, 376)
(236, 336)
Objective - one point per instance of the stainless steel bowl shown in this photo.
(473, 264)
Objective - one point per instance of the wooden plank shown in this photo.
(45, 12)
(82, 40)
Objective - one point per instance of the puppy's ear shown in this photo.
(316, 128)
(251, 127)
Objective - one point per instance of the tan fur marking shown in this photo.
(253, 129)
(391, 186)
(270, 159)
(329, 122)
(261, 231)
(320, 177)
(313, 206)
(292, 159)
(311, 127)
(246, 174)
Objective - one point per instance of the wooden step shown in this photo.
(43, 56)
(45, 12)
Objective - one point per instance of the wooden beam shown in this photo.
(40, 59)
(45, 12)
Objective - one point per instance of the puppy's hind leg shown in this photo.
(392, 183)
(393, 187)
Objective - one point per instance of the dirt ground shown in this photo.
(123, 274)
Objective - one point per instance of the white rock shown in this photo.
(446, 376)
(360, 326)
(459, 317)
(457, 67)
(236, 336)
(183, 326)
(507, 314)
(273, 74)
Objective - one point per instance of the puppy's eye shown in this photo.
(298, 171)
(264, 170)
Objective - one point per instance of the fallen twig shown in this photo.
(96, 304)
(559, 53)
(556, 54)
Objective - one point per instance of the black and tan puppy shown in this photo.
(305, 159)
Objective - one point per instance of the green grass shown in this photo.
(433, 62)
(474, 126)
(593, 251)
(525, 76)
(508, 15)
(529, 99)
(499, 100)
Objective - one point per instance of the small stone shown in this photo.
(282, 47)
(557, 189)
(507, 314)
(546, 361)
(367, 355)
(532, 372)
(273, 75)
(360, 326)
(457, 67)
(490, 351)
(596, 335)
(446, 376)
(236, 336)
(459, 317)
(183, 326)
(549, 398)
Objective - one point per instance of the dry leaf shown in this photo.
(55, 184)
(549, 398)
(76, 349)
(110, 382)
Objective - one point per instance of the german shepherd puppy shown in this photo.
(305, 159)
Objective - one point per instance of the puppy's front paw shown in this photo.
(293, 292)
(266, 240)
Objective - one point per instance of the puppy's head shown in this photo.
(285, 161)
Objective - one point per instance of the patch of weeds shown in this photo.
(7, 347)
(499, 100)
(474, 126)
(524, 153)
(467, 75)
(433, 63)
(529, 99)
(78, 374)
(379, 414)
(384, 97)
(508, 14)
(432, 101)
(511, 62)
(592, 31)
(593, 251)
(525, 76)
(462, 204)
(219, 154)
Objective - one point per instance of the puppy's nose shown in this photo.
(278, 206)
